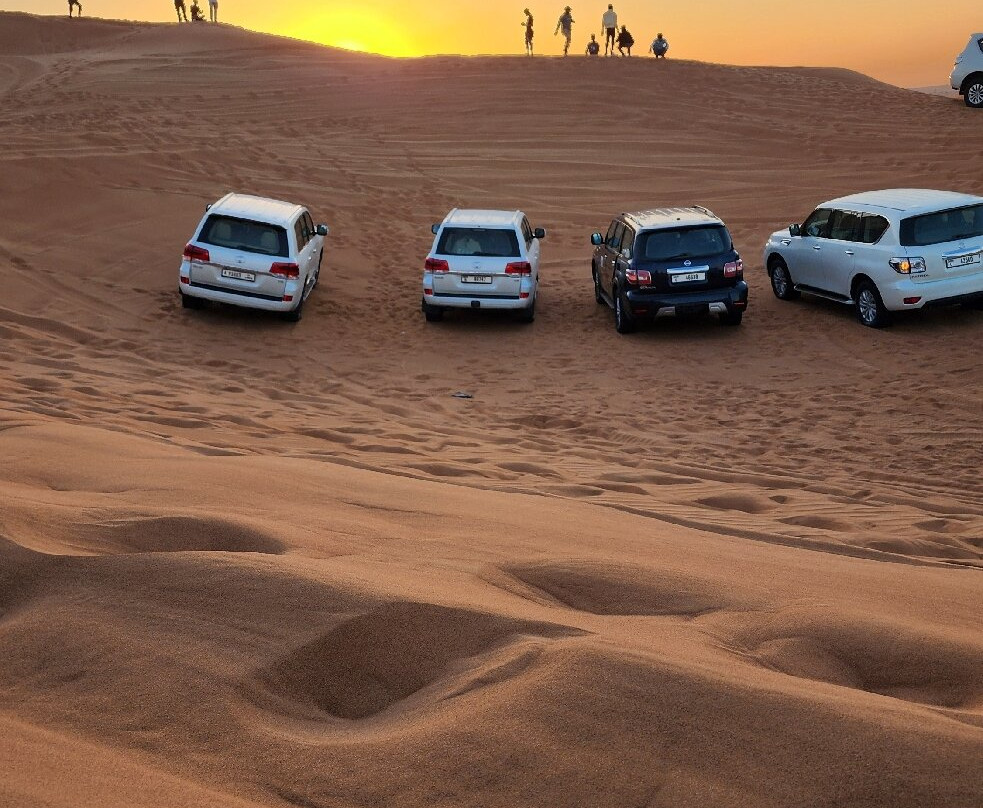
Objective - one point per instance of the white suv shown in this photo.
(482, 259)
(884, 251)
(253, 252)
(967, 72)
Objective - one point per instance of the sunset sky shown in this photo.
(904, 42)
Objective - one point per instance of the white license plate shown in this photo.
(689, 277)
(962, 260)
(239, 276)
(476, 279)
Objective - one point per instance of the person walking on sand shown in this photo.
(625, 40)
(527, 25)
(659, 46)
(181, 10)
(74, 3)
(565, 24)
(593, 47)
(213, 10)
(609, 22)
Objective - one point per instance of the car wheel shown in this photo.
(528, 314)
(870, 307)
(974, 92)
(781, 281)
(623, 323)
(189, 302)
(732, 317)
(434, 314)
(597, 287)
(294, 315)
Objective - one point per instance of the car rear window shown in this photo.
(246, 235)
(688, 242)
(478, 241)
(945, 225)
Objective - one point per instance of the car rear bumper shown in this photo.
(243, 299)
(478, 302)
(646, 304)
(940, 292)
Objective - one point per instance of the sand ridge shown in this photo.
(261, 564)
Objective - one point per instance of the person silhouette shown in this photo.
(528, 26)
(565, 23)
(593, 47)
(196, 15)
(625, 40)
(213, 10)
(659, 46)
(181, 10)
(609, 22)
(74, 3)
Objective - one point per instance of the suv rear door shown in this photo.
(241, 254)
(479, 260)
(950, 241)
(686, 258)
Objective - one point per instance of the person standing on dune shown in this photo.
(181, 10)
(609, 22)
(528, 26)
(213, 10)
(74, 3)
(565, 23)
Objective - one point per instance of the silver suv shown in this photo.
(967, 72)
(881, 251)
(253, 252)
(482, 259)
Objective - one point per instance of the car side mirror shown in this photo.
(596, 239)
(322, 230)
(539, 232)
(434, 228)
(794, 229)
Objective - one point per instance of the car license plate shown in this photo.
(239, 276)
(476, 279)
(962, 260)
(689, 277)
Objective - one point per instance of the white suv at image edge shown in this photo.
(967, 72)
(884, 251)
(253, 252)
(482, 259)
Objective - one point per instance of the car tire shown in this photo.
(973, 94)
(870, 307)
(623, 323)
(781, 280)
(433, 314)
(189, 302)
(294, 315)
(732, 317)
(598, 296)
(528, 314)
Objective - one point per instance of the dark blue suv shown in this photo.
(668, 262)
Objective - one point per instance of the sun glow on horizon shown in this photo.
(347, 28)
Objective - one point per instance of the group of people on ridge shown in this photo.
(196, 14)
(612, 35)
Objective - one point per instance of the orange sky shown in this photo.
(904, 42)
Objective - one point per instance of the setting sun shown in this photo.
(353, 29)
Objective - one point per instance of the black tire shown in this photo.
(732, 317)
(294, 315)
(976, 304)
(623, 323)
(597, 287)
(189, 302)
(781, 280)
(434, 314)
(527, 315)
(870, 307)
(973, 92)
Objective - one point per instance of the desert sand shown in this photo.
(250, 563)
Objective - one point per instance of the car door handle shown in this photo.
(848, 252)
(816, 247)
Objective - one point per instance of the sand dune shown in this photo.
(250, 563)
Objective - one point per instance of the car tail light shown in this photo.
(640, 276)
(734, 269)
(436, 265)
(285, 270)
(523, 295)
(911, 301)
(522, 268)
(288, 298)
(185, 279)
(195, 253)
(908, 266)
